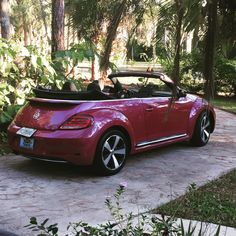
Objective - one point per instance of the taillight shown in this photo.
(78, 122)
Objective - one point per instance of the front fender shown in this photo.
(198, 107)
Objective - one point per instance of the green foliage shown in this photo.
(164, 56)
(3, 137)
(70, 59)
(226, 76)
(24, 68)
(167, 65)
(123, 224)
(3, 143)
(225, 103)
(140, 52)
(88, 22)
(45, 230)
(8, 113)
(29, 17)
(195, 20)
(191, 72)
(21, 69)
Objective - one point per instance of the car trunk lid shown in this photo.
(46, 114)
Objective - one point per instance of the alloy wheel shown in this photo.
(114, 152)
(205, 128)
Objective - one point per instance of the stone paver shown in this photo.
(66, 193)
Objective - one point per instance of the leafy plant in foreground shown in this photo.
(123, 224)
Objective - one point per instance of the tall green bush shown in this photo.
(24, 68)
(191, 73)
(21, 68)
(226, 76)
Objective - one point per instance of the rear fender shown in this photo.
(105, 119)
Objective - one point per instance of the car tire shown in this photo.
(202, 130)
(111, 153)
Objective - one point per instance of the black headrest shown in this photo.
(94, 86)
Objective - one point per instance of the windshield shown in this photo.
(142, 86)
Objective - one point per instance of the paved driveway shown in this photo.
(67, 194)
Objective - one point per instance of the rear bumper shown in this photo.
(73, 146)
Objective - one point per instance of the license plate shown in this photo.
(26, 132)
(27, 143)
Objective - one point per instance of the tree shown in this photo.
(98, 22)
(193, 15)
(178, 35)
(29, 19)
(210, 48)
(58, 24)
(23, 11)
(87, 21)
(43, 15)
(118, 12)
(227, 31)
(5, 19)
(171, 18)
(112, 29)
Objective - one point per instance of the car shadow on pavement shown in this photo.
(64, 170)
(56, 170)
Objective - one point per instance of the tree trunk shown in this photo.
(26, 31)
(195, 37)
(210, 48)
(44, 19)
(58, 18)
(95, 61)
(112, 30)
(130, 41)
(176, 68)
(68, 33)
(5, 19)
(93, 70)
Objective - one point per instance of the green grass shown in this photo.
(215, 202)
(228, 104)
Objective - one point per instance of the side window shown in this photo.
(159, 88)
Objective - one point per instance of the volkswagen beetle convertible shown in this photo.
(134, 112)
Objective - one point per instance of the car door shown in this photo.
(165, 117)
(155, 110)
(178, 118)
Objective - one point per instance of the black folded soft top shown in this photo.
(69, 95)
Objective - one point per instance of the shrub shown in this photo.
(191, 73)
(23, 68)
(226, 76)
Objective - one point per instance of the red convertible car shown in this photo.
(134, 112)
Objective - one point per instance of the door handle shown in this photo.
(149, 109)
